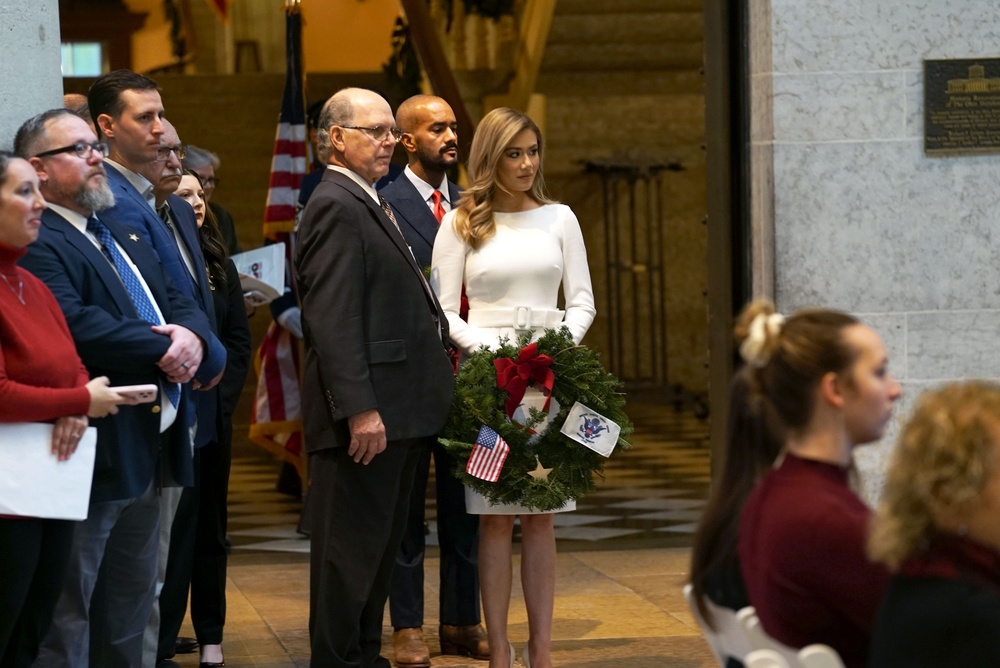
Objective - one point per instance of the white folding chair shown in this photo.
(748, 619)
(819, 656)
(727, 639)
(765, 658)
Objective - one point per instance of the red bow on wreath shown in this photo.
(515, 376)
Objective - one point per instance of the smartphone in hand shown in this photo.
(141, 394)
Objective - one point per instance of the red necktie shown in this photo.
(438, 208)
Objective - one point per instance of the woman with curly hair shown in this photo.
(512, 247)
(803, 529)
(938, 529)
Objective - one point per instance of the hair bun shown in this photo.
(757, 347)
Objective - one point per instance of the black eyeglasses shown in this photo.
(163, 152)
(379, 133)
(82, 149)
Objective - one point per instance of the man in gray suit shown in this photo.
(420, 197)
(377, 383)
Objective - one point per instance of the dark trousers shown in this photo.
(199, 536)
(359, 514)
(109, 588)
(34, 554)
(458, 534)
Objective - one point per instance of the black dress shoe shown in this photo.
(209, 664)
(185, 645)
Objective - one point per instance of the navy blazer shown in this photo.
(133, 211)
(114, 341)
(415, 218)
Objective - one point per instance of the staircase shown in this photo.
(623, 84)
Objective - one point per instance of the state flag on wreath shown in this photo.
(488, 455)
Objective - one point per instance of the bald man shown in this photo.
(377, 382)
(420, 197)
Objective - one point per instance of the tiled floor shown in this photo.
(622, 561)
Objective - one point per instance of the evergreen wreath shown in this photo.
(479, 401)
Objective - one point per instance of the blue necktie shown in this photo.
(140, 299)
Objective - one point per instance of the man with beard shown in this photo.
(377, 383)
(130, 324)
(420, 197)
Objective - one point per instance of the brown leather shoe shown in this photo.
(468, 640)
(409, 649)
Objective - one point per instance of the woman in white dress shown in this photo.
(512, 247)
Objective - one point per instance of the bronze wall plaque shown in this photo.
(962, 106)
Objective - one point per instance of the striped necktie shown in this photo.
(388, 211)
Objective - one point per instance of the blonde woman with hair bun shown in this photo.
(938, 529)
(512, 248)
(802, 533)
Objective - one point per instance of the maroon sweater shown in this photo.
(41, 376)
(802, 552)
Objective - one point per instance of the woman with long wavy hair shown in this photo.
(512, 248)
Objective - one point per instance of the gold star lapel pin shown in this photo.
(133, 237)
(540, 472)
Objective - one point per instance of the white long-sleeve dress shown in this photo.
(512, 283)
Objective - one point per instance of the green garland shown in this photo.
(579, 376)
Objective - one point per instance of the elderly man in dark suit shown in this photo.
(377, 380)
(420, 198)
(132, 325)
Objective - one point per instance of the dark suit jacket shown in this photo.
(113, 341)
(416, 221)
(368, 318)
(133, 211)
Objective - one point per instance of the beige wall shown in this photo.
(348, 36)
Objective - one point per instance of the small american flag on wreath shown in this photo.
(488, 455)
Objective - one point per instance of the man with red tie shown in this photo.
(420, 198)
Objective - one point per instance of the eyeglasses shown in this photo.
(82, 149)
(379, 133)
(163, 152)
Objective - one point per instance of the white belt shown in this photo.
(519, 317)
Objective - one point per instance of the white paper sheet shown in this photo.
(33, 483)
(262, 272)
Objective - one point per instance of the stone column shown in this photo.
(862, 219)
(30, 76)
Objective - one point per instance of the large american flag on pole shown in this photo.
(288, 164)
(276, 424)
(488, 455)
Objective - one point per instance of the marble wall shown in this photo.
(30, 80)
(850, 210)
